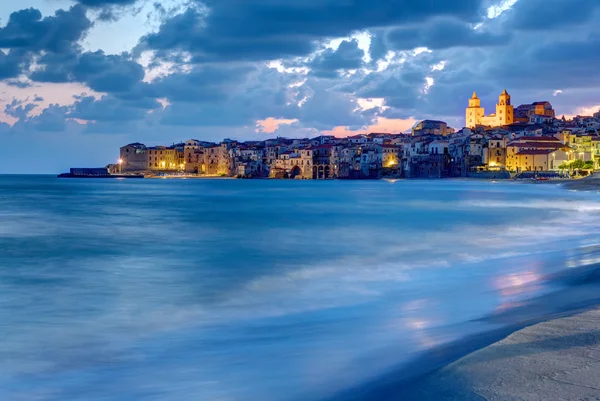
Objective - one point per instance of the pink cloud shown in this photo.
(271, 124)
(584, 111)
(390, 125)
(61, 94)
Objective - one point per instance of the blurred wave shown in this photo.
(271, 290)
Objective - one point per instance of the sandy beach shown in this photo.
(555, 360)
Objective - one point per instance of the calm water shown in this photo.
(227, 290)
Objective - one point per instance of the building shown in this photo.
(431, 127)
(534, 112)
(475, 114)
(536, 153)
(540, 159)
(391, 155)
(193, 157)
(162, 158)
(133, 157)
(495, 152)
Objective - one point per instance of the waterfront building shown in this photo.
(542, 153)
(194, 157)
(162, 158)
(216, 160)
(133, 157)
(475, 114)
(391, 155)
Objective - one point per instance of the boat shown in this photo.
(95, 173)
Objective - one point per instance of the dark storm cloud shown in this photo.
(550, 14)
(112, 73)
(268, 29)
(12, 64)
(443, 34)
(110, 109)
(26, 29)
(378, 48)
(348, 56)
(203, 83)
(103, 3)
(108, 73)
(573, 63)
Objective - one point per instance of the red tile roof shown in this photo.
(533, 152)
(535, 145)
(538, 138)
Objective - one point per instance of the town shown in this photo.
(526, 141)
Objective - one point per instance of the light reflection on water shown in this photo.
(270, 290)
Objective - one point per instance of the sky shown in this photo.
(80, 78)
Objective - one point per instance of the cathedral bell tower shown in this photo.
(504, 110)
(474, 113)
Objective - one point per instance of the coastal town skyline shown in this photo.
(512, 142)
(80, 78)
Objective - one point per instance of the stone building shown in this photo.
(133, 157)
(431, 127)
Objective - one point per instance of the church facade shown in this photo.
(475, 114)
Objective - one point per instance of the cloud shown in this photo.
(348, 56)
(27, 30)
(12, 64)
(546, 15)
(270, 125)
(103, 3)
(442, 34)
(267, 30)
(17, 83)
(19, 109)
(110, 109)
(381, 124)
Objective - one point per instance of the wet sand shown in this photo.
(591, 183)
(548, 350)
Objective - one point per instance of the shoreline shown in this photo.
(445, 372)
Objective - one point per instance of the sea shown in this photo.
(270, 290)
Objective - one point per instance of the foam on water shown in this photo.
(270, 290)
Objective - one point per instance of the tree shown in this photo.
(564, 166)
(577, 164)
(589, 165)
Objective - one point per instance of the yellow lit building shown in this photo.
(536, 154)
(475, 114)
(586, 146)
(390, 156)
(161, 158)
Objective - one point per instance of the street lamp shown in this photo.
(120, 166)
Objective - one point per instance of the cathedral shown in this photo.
(475, 114)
